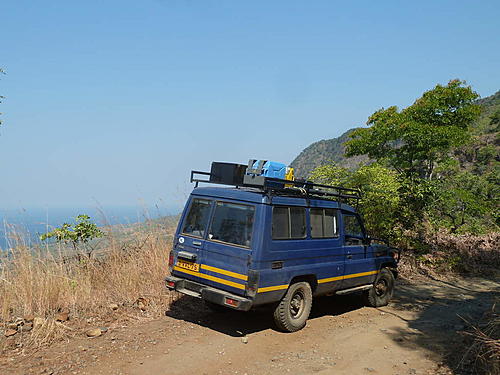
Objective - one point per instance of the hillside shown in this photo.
(323, 152)
(491, 106)
(328, 150)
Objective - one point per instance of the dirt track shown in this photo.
(416, 334)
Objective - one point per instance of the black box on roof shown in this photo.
(227, 173)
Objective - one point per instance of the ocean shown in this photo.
(27, 224)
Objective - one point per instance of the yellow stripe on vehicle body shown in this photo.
(361, 274)
(336, 278)
(224, 272)
(272, 288)
(351, 276)
(210, 277)
(320, 281)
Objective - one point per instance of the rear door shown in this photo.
(228, 246)
(190, 239)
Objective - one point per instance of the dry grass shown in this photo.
(441, 252)
(34, 282)
(484, 350)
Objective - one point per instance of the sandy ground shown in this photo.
(418, 333)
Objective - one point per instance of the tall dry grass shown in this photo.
(37, 282)
(484, 350)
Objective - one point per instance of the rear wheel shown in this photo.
(382, 290)
(293, 310)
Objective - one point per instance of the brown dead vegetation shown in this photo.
(483, 353)
(39, 291)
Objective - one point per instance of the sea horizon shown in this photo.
(29, 223)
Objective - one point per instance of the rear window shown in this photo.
(197, 218)
(324, 223)
(288, 223)
(232, 223)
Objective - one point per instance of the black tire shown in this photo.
(382, 290)
(293, 310)
(214, 307)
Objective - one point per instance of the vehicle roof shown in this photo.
(253, 195)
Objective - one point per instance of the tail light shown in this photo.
(231, 302)
(171, 284)
(252, 283)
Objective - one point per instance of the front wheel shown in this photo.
(382, 290)
(293, 310)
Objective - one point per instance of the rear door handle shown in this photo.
(349, 256)
(187, 256)
(196, 243)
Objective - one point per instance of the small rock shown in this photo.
(369, 369)
(62, 316)
(93, 332)
(244, 340)
(10, 332)
(19, 321)
(113, 306)
(142, 303)
(29, 318)
(27, 327)
(12, 326)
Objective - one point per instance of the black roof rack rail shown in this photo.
(277, 186)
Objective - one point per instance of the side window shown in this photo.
(232, 223)
(197, 218)
(323, 223)
(288, 223)
(281, 229)
(316, 222)
(297, 222)
(352, 226)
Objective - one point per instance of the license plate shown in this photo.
(188, 265)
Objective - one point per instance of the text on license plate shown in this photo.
(188, 265)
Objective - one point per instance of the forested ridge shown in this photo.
(429, 175)
(333, 150)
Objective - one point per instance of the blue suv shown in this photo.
(270, 241)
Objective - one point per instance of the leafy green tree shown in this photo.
(81, 232)
(380, 203)
(414, 139)
(465, 203)
(495, 121)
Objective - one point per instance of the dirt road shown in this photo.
(416, 334)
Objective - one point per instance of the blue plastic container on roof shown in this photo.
(272, 169)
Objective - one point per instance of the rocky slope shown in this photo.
(332, 150)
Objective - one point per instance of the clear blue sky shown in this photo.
(116, 101)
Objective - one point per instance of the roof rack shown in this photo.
(277, 186)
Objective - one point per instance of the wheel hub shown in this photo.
(381, 287)
(297, 305)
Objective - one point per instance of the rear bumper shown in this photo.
(207, 293)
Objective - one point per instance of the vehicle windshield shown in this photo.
(232, 223)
